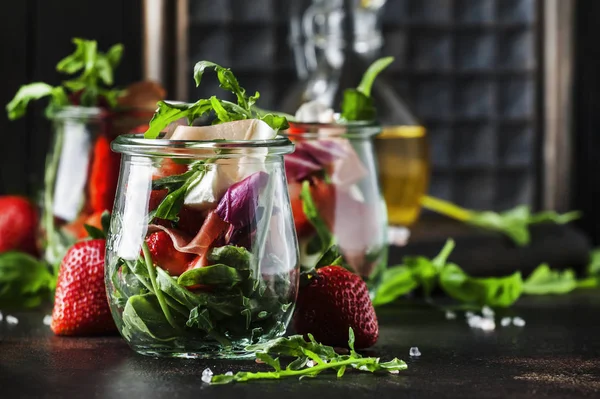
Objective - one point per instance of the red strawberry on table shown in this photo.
(333, 300)
(80, 303)
(18, 224)
(166, 256)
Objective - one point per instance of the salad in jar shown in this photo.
(202, 256)
(338, 209)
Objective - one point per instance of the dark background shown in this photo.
(471, 68)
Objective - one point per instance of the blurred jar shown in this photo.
(81, 173)
(336, 198)
(320, 32)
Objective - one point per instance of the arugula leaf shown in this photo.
(513, 223)
(96, 70)
(324, 358)
(24, 281)
(34, 91)
(357, 104)
(493, 291)
(225, 111)
(544, 280)
(220, 275)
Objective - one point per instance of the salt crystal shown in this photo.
(517, 321)
(487, 312)
(310, 363)
(207, 375)
(394, 371)
(505, 322)
(414, 352)
(481, 323)
(47, 320)
(12, 320)
(450, 315)
(229, 373)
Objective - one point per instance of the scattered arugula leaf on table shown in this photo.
(96, 70)
(357, 104)
(225, 111)
(513, 223)
(311, 359)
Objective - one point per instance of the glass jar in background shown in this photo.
(80, 178)
(219, 270)
(334, 41)
(336, 198)
(404, 168)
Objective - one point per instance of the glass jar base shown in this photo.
(232, 354)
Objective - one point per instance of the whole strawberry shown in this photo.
(333, 300)
(18, 224)
(80, 303)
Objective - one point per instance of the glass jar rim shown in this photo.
(78, 112)
(136, 144)
(349, 130)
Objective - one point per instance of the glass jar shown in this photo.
(336, 199)
(219, 270)
(334, 41)
(81, 173)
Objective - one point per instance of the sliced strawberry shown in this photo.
(169, 167)
(165, 255)
(156, 197)
(104, 176)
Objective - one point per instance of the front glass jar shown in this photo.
(202, 257)
(336, 199)
(81, 173)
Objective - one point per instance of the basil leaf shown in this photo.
(544, 280)
(221, 275)
(495, 292)
(25, 282)
(143, 318)
(397, 281)
(237, 257)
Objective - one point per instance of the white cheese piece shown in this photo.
(315, 112)
(226, 172)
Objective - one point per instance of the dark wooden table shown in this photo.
(556, 355)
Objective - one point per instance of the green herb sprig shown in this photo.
(95, 71)
(502, 291)
(225, 111)
(311, 359)
(25, 282)
(513, 223)
(357, 104)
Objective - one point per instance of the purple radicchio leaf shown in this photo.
(240, 202)
(312, 156)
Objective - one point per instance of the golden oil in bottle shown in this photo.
(404, 167)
